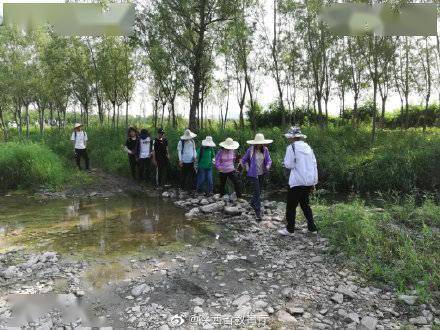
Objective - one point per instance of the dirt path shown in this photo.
(248, 277)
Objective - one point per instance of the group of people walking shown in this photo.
(147, 155)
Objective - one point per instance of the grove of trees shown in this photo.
(195, 53)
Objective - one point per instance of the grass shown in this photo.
(381, 244)
(29, 165)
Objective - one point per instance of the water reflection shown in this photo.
(119, 225)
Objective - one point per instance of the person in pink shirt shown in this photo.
(225, 161)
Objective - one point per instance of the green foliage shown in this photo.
(382, 246)
(28, 165)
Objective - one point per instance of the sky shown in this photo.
(266, 93)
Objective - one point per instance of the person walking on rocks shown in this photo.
(131, 147)
(79, 139)
(186, 151)
(205, 156)
(144, 152)
(301, 162)
(257, 162)
(161, 157)
(225, 161)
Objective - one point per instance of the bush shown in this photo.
(29, 164)
(381, 244)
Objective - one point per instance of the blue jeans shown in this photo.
(256, 196)
(204, 175)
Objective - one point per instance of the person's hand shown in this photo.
(312, 189)
(180, 164)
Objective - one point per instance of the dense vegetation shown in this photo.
(398, 244)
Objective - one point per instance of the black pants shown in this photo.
(188, 175)
(161, 173)
(133, 165)
(257, 185)
(144, 166)
(235, 181)
(81, 153)
(295, 195)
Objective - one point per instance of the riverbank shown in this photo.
(246, 274)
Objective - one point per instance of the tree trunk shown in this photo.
(26, 107)
(114, 114)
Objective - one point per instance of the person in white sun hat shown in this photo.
(186, 151)
(225, 161)
(79, 140)
(205, 156)
(301, 162)
(257, 162)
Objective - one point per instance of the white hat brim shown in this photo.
(208, 144)
(253, 142)
(232, 146)
(290, 136)
(188, 137)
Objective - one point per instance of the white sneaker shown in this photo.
(285, 232)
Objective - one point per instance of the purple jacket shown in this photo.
(249, 158)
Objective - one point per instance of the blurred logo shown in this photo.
(176, 320)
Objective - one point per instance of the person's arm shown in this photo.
(72, 138)
(179, 151)
(315, 168)
(128, 151)
(85, 139)
(289, 159)
(195, 152)
(218, 161)
(267, 159)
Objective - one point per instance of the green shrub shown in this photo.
(381, 244)
(29, 164)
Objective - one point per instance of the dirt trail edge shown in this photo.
(248, 277)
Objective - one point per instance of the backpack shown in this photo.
(286, 170)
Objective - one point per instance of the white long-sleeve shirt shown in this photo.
(188, 154)
(302, 163)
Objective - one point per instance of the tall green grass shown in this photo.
(383, 246)
(29, 164)
(402, 161)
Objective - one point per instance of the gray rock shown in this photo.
(165, 194)
(337, 298)
(204, 201)
(192, 213)
(243, 311)
(232, 210)
(214, 207)
(285, 317)
(368, 323)
(241, 300)
(295, 310)
(48, 257)
(198, 301)
(409, 300)
(10, 272)
(421, 320)
(138, 290)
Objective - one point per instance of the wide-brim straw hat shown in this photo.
(229, 144)
(208, 142)
(188, 135)
(295, 132)
(77, 125)
(259, 139)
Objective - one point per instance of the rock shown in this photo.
(165, 194)
(287, 292)
(198, 310)
(192, 213)
(48, 257)
(409, 300)
(198, 301)
(368, 323)
(346, 292)
(285, 317)
(337, 298)
(295, 310)
(204, 201)
(232, 210)
(241, 300)
(260, 304)
(138, 290)
(354, 317)
(421, 320)
(243, 311)
(10, 272)
(214, 207)
(316, 259)
(79, 293)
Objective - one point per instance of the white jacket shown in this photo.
(302, 164)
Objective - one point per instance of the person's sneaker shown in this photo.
(285, 232)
